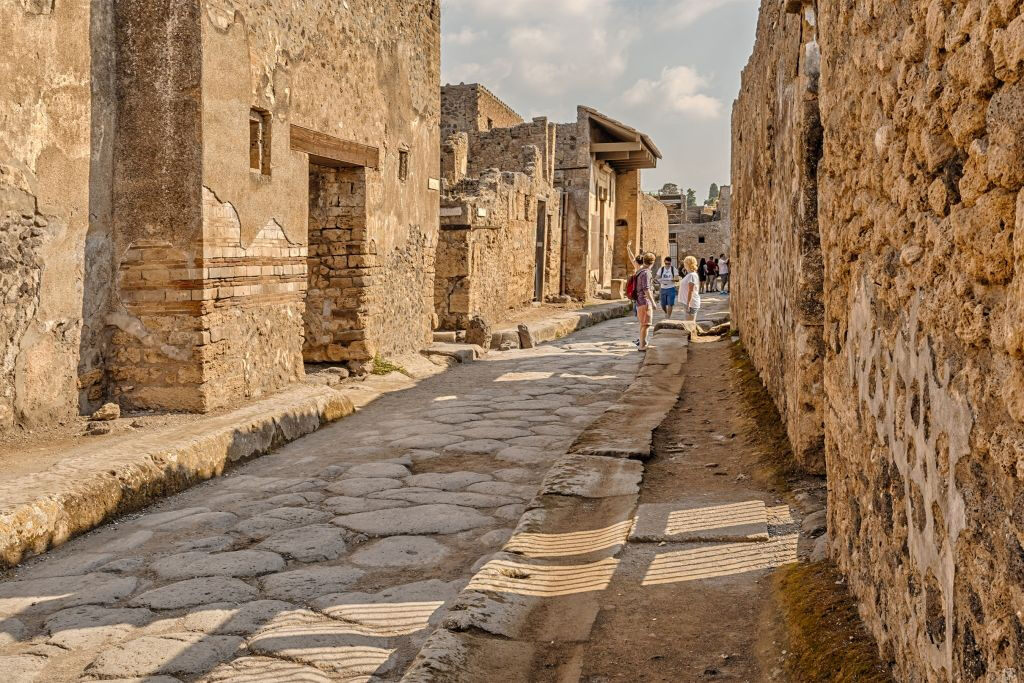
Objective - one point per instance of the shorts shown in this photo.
(644, 314)
(668, 296)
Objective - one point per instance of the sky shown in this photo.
(670, 68)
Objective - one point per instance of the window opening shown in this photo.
(403, 164)
(700, 240)
(259, 141)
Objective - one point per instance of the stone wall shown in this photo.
(472, 107)
(702, 240)
(776, 302)
(55, 222)
(653, 226)
(503, 148)
(151, 262)
(921, 205)
(487, 258)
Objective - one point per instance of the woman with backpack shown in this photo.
(644, 293)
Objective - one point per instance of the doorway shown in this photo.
(541, 250)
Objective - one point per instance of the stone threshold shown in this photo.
(534, 604)
(560, 324)
(96, 482)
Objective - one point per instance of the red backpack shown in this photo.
(631, 292)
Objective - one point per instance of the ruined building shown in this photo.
(598, 164)
(500, 245)
(689, 235)
(878, 285)
(534, 211)
(196, 196)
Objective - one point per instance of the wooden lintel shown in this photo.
(611, 156)
(327, 150)
(616, 146)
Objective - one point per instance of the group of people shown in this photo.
(714, 274)
(699, 278)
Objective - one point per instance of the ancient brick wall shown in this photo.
(653, 226)
(702, 240)
(487, 255)
(472, 108)
(921, 205)
(776, 301)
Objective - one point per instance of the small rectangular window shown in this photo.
(403, 164)
(700, 240)
(490, 124)
(259, 141)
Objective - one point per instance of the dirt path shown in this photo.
(698, 611)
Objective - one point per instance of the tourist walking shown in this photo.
(702, 274)
(667, 275)
(690, 289)
(644, 298)
(723, 272)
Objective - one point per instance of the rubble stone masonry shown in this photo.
(468, 107)
(919, 205)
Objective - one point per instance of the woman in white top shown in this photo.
(689, 289)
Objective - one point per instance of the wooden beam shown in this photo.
(609, 156)
(616, 146)
(328, 150)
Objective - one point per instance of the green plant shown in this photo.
(382, 366)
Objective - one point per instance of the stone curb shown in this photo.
(562, 324)
(480, 634)
(45, 509)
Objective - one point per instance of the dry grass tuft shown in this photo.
(826, 639)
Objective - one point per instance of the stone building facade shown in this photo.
(189, 228)
(500, 243)
(598, 163)
(887, 311)
(471, 107)
(699, 239)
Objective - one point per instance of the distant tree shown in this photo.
(713, 192)
(691, 197)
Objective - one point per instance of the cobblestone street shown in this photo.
(331, 559)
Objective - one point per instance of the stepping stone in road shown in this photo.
(689, 522)
(238, 563)
(416, 520)
(401, 551)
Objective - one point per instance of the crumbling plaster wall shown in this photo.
(921, 193)
(56, 102)
(776, 301)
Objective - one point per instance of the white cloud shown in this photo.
(677, 89)
(464, 36)
(679, 13)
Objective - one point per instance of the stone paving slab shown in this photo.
(95, 483)
(693, 522)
